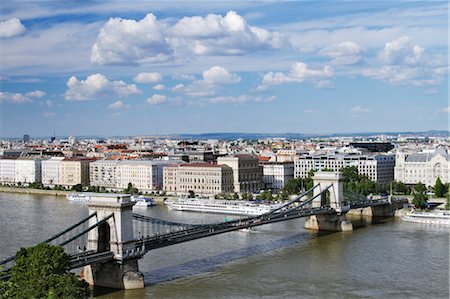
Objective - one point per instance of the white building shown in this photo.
(28, 170)
(8, 171)
(423, 167)
(377, 167)
(247, 173)
(277, 174)
(144, 175)
(103, 173)
(51, 171)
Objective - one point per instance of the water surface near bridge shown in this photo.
(392, 259)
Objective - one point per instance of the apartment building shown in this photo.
(247, 173)
(103, 173)
(28, 170)
(8, 170)
(377, 167)
(423, 166)
(202, 178)
(74, 171)
(277, 174)
(51, 171)
(146, 175)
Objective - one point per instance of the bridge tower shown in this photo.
(334, 197)
(114, 235)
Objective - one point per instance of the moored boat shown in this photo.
(143, 201)
(435, 217)
(82, 197)
(230, 207)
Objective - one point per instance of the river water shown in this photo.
(391, 259)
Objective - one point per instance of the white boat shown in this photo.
(142, 201)
(83, 197)
(435, 217)
(229, 207)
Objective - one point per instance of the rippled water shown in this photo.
(391, 259)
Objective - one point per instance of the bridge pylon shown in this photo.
(334, 197)
(114, 235)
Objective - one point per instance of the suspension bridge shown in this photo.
(109, 242)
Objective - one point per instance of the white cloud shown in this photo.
(11, 27)
(179, 88)
(240, 99)
(445, 110)
(20, 98)
(97, 86)
(401, 51)
(127, 41)
(123, 41)
(344, 53)
(49, 103)
(148, 77)
(299, 72)
(211, 81)
(159, 87)
(310, 111)
(184, 77)
(156, 99)
(359, 110)
(117, 105)
(223, 35)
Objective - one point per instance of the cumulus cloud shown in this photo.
(240, 99)
(97, 86)
(179, 88)
(117, 105)
(156, 99)
(124, 41)
(359, 110)
(20, 98)
(127, 41)
(344, 53)
(401, 51)
(211, 81)
(224, 35)
(159, 87)
(11, 27)
(148, 77)
(49, 103)
(445, 110)
(299, 72)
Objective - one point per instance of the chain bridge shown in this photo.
(109, 242)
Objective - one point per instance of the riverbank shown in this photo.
(34, 191)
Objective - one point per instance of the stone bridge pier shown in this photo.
(114, 235)
(335, 198)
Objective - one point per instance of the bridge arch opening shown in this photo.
(104, 237)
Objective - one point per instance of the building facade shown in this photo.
(51, 171)
(423, 167)
(277, 174)
(146, 175)
(28, 170)
(74, 171)
(103, 173)
(201, 178)
(247, 173)
(7, 171)
(377, 167)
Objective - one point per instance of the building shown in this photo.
(26, 138)
(377, 167)
(145, 175)
(103, 173)
(75, 171)
(201, 178)
(247, 173)
(51, 171)
(374, 147)
(423, 167)
(8, 170)
(28, 170)
(277, 174)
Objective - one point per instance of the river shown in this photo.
(391, 259)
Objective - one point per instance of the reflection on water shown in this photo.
(388, 259)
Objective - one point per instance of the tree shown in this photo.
(130, 189)
(439, 188)
(350, 174)
(293, 186)
(77, 187)
(42, 271)
(420, 198)
(420, 188)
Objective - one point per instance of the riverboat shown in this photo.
(82, 197)
(229, 207)
(143, 201)
(435, 217)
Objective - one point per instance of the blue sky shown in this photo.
(115, 68)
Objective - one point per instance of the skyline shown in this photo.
(189, 67)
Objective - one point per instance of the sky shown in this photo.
(115, 68)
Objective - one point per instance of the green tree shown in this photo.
(77, 187)
(350, 174)
(439, 188)
(293, 186)
(131, 189)
(420, 200)
(420, 188)
(42, 271)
